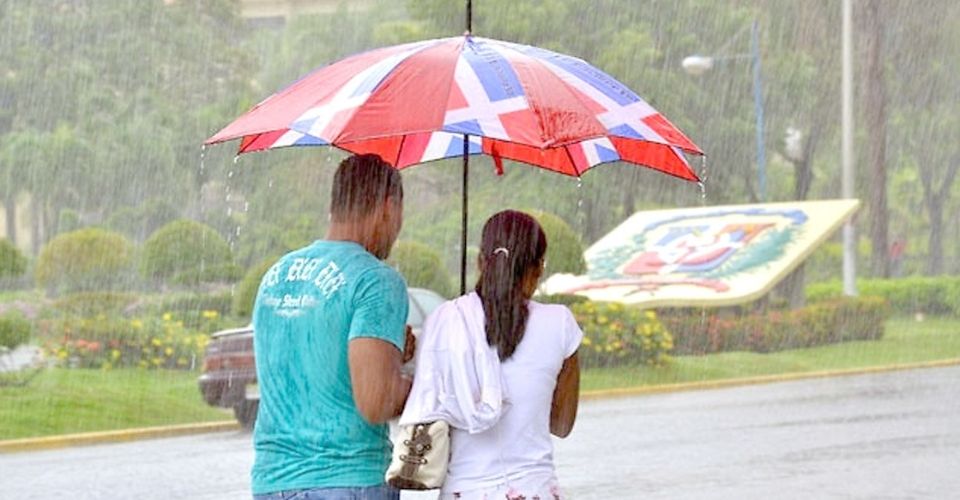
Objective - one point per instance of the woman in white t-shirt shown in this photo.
(537, 348)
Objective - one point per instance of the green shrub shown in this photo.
(88, 259)
(207, 312)
(12, 262)
(68, 221)
(111, 342)
(141, 221)
(699, 331)
(15, 329)
(421, 267)
(564, 249)
(94, 303)
(930, 295)
(615, 335)
(247, 290)
(563, 299)
(187, 252)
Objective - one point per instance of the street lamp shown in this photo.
(697, 65)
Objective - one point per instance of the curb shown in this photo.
(89, 438)
(762, 379)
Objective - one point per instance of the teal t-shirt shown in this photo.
(311, 303)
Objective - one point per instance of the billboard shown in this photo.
(705, 256)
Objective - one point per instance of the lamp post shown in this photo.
(849, 233)
(697, 65)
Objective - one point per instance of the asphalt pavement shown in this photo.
(881, 436)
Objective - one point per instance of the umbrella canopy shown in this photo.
(419, 102)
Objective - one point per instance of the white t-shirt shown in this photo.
(516, 455)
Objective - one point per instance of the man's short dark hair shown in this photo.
(362, 183)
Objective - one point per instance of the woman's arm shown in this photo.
(563, 410)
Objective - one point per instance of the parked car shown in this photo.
(229, 378)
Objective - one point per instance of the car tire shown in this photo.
(246, 412)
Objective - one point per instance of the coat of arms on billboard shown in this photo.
(702, 253)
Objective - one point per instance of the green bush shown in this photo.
(12, 262)
(111, 342)
(15, 329)
(421, 267)
(88, 259)
(616, 335)
(564, 249)
(94, 303)
(247, 290)
(141, 221)
(699, 331)
(563, 299)
(187, 252)
(930, 295)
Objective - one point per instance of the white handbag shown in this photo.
(420, 457)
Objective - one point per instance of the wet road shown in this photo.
(886, 436)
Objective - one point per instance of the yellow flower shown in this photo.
(115, 354)
(650, 315)
(210, 314)
(136, 324)
(168, 351)
(156, 361)
(587, 341)
(156, 342)
(167, 316)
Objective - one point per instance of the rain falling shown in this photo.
(747, 284)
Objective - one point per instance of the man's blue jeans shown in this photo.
(382, 492)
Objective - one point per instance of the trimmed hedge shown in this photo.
(615, 335)
(421, 266)
(186, 252)
(94, 303)
(15, 329)
(697, 331)
(111, 342)
(930, 295)
(12, 261)
(88, 259)
(247, 290)
(564, 248)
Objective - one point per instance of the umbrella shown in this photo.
(467, 95)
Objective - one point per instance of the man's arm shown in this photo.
(380, 389)
(566, 396)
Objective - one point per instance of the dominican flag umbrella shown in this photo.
(466, 95)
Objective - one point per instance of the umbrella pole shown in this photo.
(466, 177)
(463, 213)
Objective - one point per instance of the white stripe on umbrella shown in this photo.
(480, 107)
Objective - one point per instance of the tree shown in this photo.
(875, 111)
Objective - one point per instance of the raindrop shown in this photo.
(236, 159)
(203, 155)
(270, 184)
(230, 174)
(246, 206)
(229, 211)
(238, 231)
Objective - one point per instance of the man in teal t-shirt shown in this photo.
(330, 340)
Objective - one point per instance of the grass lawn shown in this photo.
(62, 401)
(905, 341)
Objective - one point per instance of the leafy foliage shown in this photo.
(84, 260)
(564, 249)
(187, 252)
(614, 335)
(931, 295)
(15, 329)
(839, 320)
(12, 261)
(247, 290)
(421, 267)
